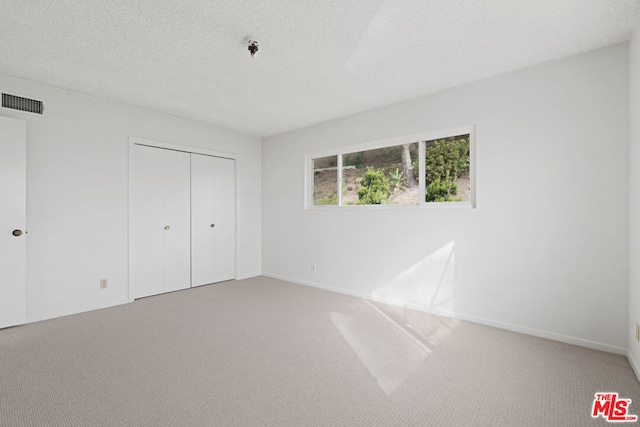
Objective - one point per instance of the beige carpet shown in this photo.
(262, 352)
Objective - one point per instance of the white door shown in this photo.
(177, 210)
(225, 220)
(212, 219)
(13, 137)
(160, 241)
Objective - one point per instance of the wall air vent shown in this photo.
(22, 104)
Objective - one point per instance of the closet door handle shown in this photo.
(167, 228)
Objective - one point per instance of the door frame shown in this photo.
(13, 290)
(135, 140)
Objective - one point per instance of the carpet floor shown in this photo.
(263, 352)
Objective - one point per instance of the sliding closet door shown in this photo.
(225, 217)
(177, 256)
(161, 225)
(202, 219)
(212, 219)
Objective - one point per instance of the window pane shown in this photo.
(325, 180)
(381, 176)
(447, 169)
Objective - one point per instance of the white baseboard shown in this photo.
(474, 319)
(248, 276)
(545, 334)
(316, 285)
(633, 364)
(75, 310)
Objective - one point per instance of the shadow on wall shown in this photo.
(427, 285)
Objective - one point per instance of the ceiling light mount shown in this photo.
(253, 45)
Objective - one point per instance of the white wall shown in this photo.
(545, 252)
(77, 194)
(634, 200)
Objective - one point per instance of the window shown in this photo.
(381, 176)
(325, 180)
(447, 162)
(431, 169)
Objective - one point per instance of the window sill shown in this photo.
(434, 205)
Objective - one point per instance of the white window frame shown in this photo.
(421, 138)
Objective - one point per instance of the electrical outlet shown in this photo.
(104, 284)
(313, 267)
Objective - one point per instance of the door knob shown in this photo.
(17, 233)
(167, 228)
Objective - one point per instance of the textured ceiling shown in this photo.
(318, 59)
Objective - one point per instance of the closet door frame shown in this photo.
(133, 141)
